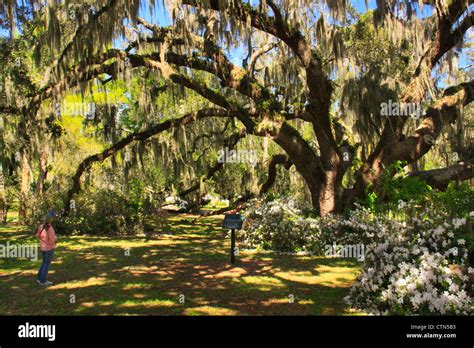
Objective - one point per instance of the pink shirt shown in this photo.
(47, 238)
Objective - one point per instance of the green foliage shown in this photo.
(370, 200)
(457, 200)
(104, 211)
(107, 212)
(401, 194)
(396, 189)
(455, 205)
(405, 189)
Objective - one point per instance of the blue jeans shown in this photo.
(43, 271)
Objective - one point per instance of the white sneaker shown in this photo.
(46, 283)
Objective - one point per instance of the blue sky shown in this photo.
(160, 17)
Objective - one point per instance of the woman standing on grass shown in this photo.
(47, 238)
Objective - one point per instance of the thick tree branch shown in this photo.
(443, 41)
(389, 148)
(319, 85)
(440, 178)
(216, 62)
(281, 159)
(444, 111)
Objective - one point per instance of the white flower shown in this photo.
(416, 299)
(459, 222)
(453, 287)
(439, 230)
(461, 241)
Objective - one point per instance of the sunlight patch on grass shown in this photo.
(286, 300)
(332, 276)
(20, 270)
(147, 303)
(330, 310)
(210, 310)
(141, 269)
(88, 304)
(230, 273)
(93, 281)
(264, 283)
(119, 243)
(131, 286)
(97, 303)
(11, 228)
(352, 311)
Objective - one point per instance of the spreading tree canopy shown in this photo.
(269, 68)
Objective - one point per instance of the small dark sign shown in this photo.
(233, 221)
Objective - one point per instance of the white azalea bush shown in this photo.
(419, 268)
(415, 265)
(282, 226)
(278, 225)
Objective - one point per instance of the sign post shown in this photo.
(233, 222)
(232, 245)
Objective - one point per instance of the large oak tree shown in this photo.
(316, 62)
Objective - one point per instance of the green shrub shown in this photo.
(107, 212)
(395, 189)
(97, 211)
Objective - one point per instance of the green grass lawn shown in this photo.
(183, 270)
